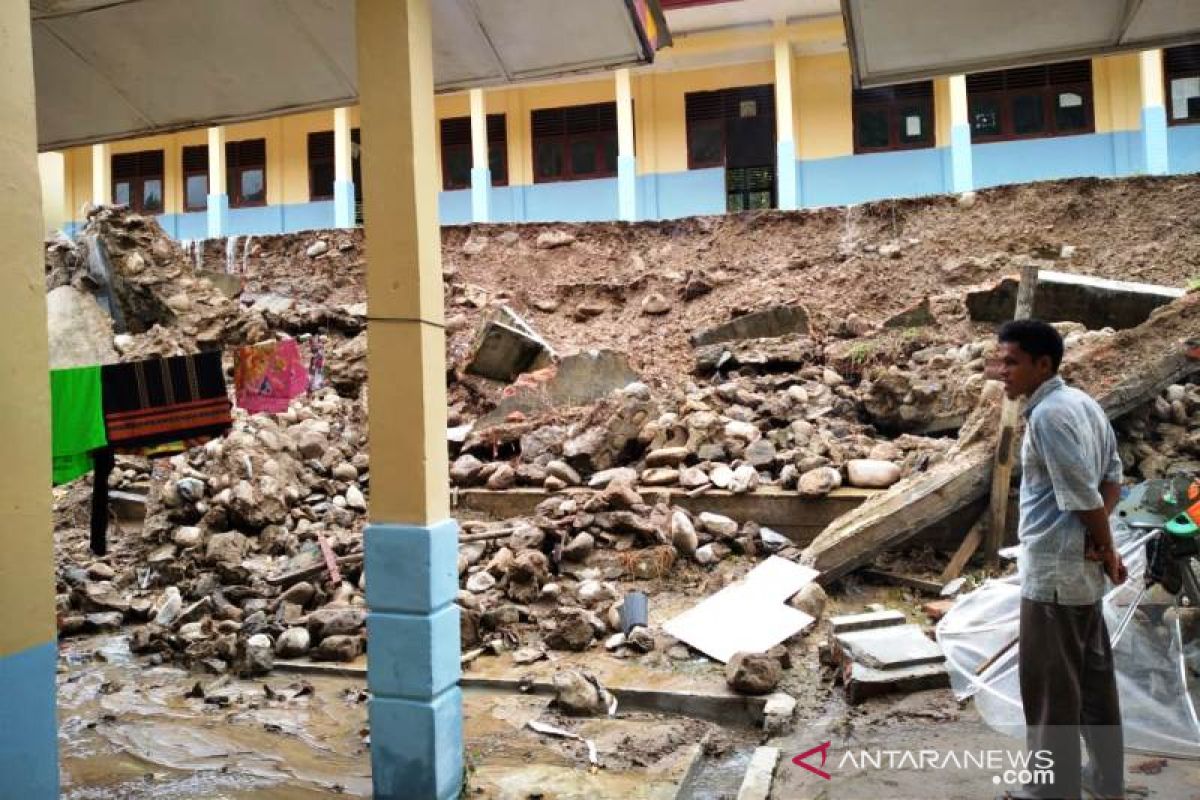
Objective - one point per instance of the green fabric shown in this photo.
(76, 420)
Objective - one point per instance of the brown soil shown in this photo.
(829, 260)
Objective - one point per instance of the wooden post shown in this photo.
(1006, 436)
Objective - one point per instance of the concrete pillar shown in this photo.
(218, 194)
(28, 646)
(481, 169)
(961, 177)
(101, 175)
(785, 139)
(626, 156)
(343, 170)
(411, 543)
(1154, 114)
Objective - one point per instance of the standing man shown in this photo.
(1070, 482)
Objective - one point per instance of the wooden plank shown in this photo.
(1006, 439)
(1111, 370)
(962, 555)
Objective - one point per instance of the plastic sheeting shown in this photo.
(1156, 667)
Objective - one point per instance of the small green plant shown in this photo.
(1193, 284)
(861, 353)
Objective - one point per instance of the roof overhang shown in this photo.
(112, 69)
(894, 42)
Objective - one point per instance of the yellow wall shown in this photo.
(821, 89)
(823, 106)
(1117, 93)
(52, 169)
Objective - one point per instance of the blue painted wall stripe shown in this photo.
(28, 725)
(1183, 143)
(962, 168)
(871, 176)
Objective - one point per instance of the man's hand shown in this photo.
(1110, 559)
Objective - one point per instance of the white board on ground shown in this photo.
(749, 616)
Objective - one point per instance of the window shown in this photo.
(137, 181)
(575, 143)
(1181, 68)
(1048, 100)
(321, 170)
(246, 172)
(731, 127)
(195, 177)
(893, 117)
(456, 151)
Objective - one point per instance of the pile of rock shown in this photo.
(229, 565)
(1163, 438)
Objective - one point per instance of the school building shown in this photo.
(743, 111)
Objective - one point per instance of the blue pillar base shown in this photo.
(1154, 140)
(481, 195)
(28, 725)
(343, 204)
(962, 177)
(218, 215)
(785, 175)
(627, 188)
(413, 664)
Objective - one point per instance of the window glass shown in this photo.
(458, 167)
(121, 193)
(321, 179)
(254, 189)
(1028, 114)
(152, 194)
(705, 143)
(583, 157)
(1069, 111)
(1185, 98)
(498, 164)
(985, 116)
(872, 128)
(196, 191)
(548, 160)
(914, 125)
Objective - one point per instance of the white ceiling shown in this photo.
(893, 41)
(111, 69)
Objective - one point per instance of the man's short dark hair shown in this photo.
(1035, 337)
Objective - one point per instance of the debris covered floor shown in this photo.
(654, 408)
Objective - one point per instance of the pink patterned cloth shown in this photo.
(267, 376)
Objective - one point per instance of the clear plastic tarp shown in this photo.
(1157, 659)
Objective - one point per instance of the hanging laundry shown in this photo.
(159, 401)
(267, 376)
(316, 363)
(76, 421)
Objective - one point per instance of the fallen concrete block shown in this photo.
(847, 623)
(769, 323)
(506, 346)
(577, 379)
(756, 784)
(1063, 296)
(891, 647)
(863, 681)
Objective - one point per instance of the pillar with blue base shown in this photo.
(785, 170)
(962, 177)
(481, 194)
(413, 630)
(411, 545)
(1154, 113)
(627, 188)
(343, 204)
(218, 215)
(28, 635)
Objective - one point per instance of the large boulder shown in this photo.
(80, 332)
(753, 673)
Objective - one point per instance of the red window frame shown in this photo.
(1179, 62)
(455, 137)
(244, 156)
(135, 169)
(1046, 82)
(893, 102)
(714, 109)
(567, 126)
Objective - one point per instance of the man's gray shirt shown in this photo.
(1069, 448)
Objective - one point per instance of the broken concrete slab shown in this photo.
(847, 623)
(577, 379)
(765, 324)
(760, 772)
(506, 346)
(777, 354)
(1063, 296)
(863, 682)
(890, 647)
(80, 332)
